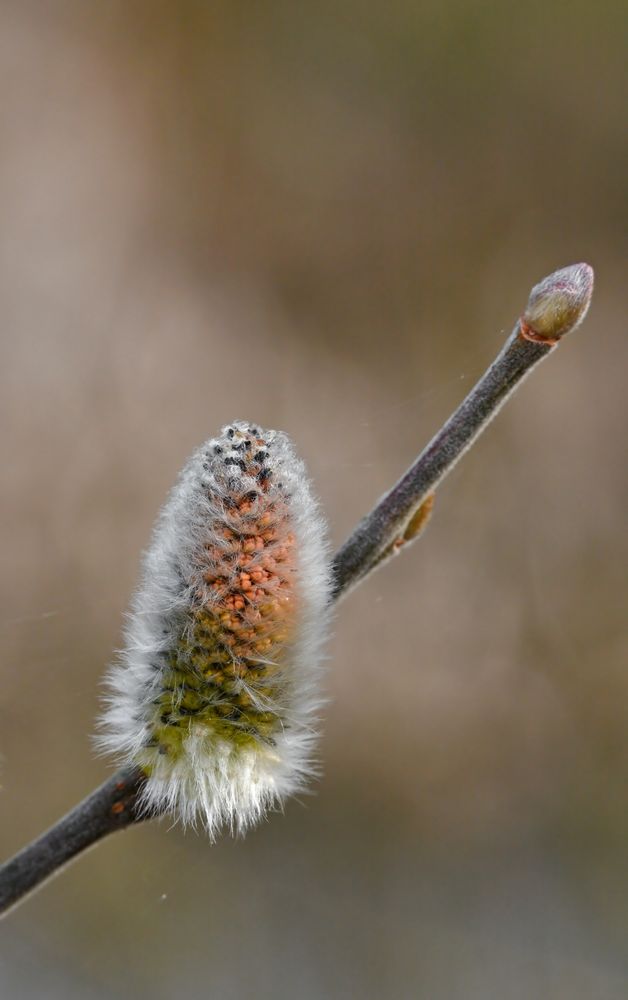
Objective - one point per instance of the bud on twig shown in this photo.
(558, 304)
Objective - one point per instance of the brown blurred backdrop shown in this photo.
(324, 217)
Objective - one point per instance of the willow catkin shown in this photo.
(216, 693)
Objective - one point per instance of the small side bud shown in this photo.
(216, 694)
(558, 304)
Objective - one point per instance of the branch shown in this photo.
(110, 807)
(555, 307)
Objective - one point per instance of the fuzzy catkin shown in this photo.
(216, 693)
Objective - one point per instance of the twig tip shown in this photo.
(558, 304)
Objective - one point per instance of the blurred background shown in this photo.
(325, 218)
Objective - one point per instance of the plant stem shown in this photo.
(555, 307)
(110, 807)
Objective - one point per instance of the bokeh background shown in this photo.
(324, 217)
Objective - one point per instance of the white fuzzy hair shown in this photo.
(213, 779)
